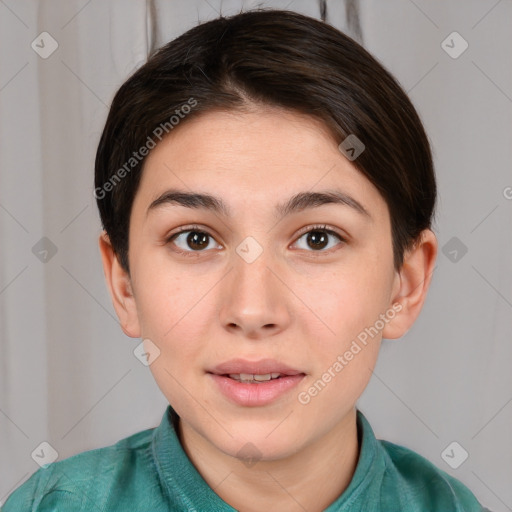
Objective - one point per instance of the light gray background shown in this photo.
(68, 374)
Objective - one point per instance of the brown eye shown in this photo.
(191, 240)
(197, 240)
(319, 238)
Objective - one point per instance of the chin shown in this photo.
(256, 445)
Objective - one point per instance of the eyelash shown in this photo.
(318, 227)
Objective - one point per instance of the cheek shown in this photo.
(351, 303)
(163, 301)
(173, 317)
(175, 311)
(345, 302)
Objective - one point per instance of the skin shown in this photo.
(297, 303)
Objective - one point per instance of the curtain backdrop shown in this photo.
(68, 374)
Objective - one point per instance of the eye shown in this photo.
(191, 240)
(317, 237)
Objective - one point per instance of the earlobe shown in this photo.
(412, 284)
(120, 288)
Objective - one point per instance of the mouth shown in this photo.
(255, 371)
(254, 383)
(249, 378)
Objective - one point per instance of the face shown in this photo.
(258, 280)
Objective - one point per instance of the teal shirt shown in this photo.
(150, 472)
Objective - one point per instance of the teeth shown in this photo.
(249, 377)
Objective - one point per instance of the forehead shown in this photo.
(253, 158)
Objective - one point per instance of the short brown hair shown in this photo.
(277, 58)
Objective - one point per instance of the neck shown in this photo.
(310, 479)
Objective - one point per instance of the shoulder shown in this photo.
(87, 480)
(422, 485)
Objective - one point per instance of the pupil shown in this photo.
(200, 240)
(318, 238)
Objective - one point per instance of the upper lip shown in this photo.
(260, 367)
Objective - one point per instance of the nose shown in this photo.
(255, 298)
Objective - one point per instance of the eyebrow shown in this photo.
(296, 203)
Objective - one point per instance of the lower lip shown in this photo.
(251, 395)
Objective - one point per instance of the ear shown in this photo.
(119, 286)
(411, 285)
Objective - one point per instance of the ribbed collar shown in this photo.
(188, 490)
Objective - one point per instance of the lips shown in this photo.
(260, 367)
(247, 383)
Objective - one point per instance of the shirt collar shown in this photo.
(187, 489)
(370, 468)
